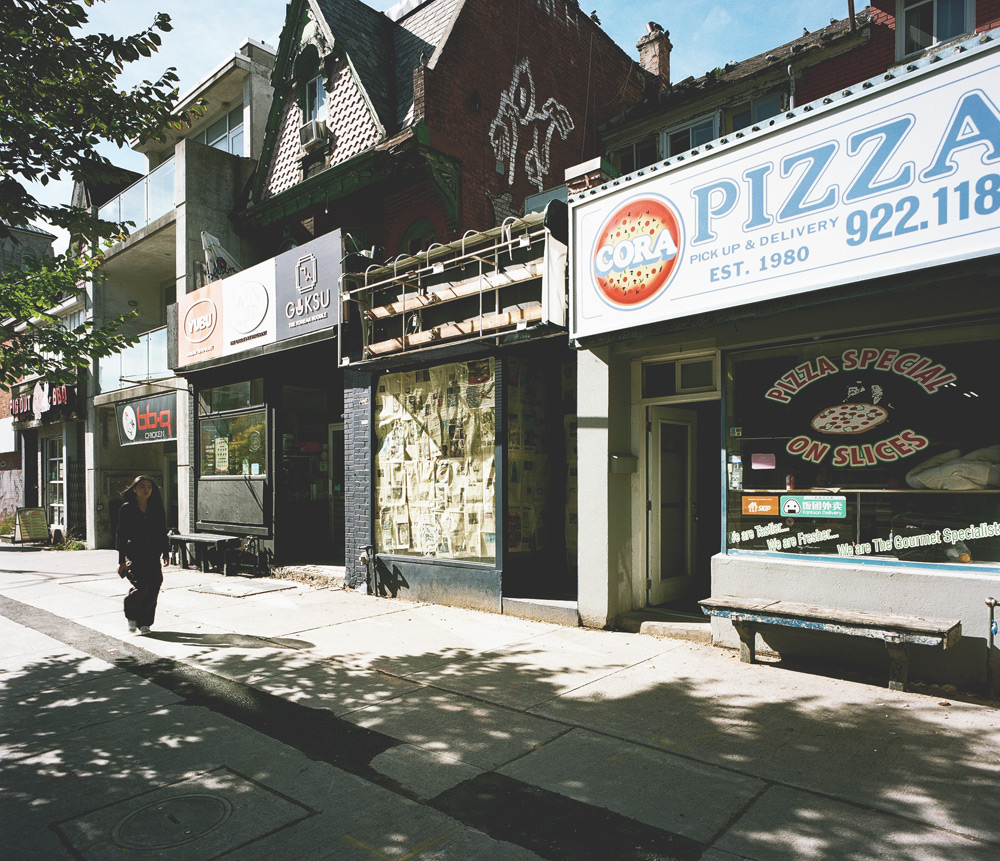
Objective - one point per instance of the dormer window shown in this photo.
(314, 101)
(921, 24)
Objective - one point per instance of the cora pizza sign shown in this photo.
(636, 251)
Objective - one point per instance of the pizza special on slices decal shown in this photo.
(636, 251)
(853, 417)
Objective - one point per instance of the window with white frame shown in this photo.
(686, 137)
(921, 24)
(313, 103)
(226, 133)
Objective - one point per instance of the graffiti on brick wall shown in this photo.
(519, 123)
(11, 490)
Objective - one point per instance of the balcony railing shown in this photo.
(145, 200)
(140, 363)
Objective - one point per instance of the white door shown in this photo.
(672, 505)
(54, 470)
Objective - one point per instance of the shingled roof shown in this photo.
(379, 53)
(813, 47)
(384, 49)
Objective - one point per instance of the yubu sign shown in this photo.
(893, 178)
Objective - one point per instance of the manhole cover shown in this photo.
(171, 822)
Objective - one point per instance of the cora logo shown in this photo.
(637, 251)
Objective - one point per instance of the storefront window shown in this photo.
(434, 466)
(233, 434)
(879, 446)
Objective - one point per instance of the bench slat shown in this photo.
(890, 622)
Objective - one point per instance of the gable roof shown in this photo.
(376, 51)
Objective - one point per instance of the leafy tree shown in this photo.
(59, 99)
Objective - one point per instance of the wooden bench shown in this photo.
(203, 542)
(898, 632)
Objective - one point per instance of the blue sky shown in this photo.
(704, 33)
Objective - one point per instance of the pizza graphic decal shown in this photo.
(849, 418)
(637, 251)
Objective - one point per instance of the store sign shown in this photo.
(248, 309)
(308, 287)
(760, 506)
(44, 396)
(814, 506)
(895, 178)
(293, 294)
(147, 420)
(199, 325)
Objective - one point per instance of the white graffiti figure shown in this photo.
(517, 112)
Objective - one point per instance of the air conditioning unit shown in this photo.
(312, 134)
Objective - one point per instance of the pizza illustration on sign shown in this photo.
(849, 418)
(637, 251)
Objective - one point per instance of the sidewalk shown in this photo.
(748, 761)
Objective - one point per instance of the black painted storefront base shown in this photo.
(438, 581)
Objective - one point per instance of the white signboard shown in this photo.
(896, 178)
(248, 308)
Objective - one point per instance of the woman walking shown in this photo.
(142, 541)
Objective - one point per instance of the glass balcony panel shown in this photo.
(134, 362)
(161, 190)
(133, 203)
(158, 353)
(109, 372)
(111, 211)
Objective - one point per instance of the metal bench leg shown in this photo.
(899, 664)
(184, 554)
(748, 640)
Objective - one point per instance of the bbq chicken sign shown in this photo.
(891, 176)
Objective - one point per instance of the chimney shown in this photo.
(654, 53)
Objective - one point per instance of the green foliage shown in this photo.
(59, 99)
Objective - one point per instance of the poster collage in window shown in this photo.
(435, 472)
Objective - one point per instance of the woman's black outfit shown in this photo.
(142, 540)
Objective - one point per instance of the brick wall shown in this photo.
(357, 472)
(572, 78)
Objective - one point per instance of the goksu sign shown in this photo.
(895, 178)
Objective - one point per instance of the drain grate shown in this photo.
(204, 816)
(172, 822)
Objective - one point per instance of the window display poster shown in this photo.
(434, 464)
(899, 430)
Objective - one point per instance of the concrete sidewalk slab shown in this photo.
(901, 753)
(526, 673)
(786, 825)
(289, 613)
(220, 810)
(658, 788)
(477, 734)
(33, 721)
(328, 684)
(426, 773)
(417, 637)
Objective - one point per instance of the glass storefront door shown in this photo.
(54, 470)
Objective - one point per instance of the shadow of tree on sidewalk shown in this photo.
(823, 768)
